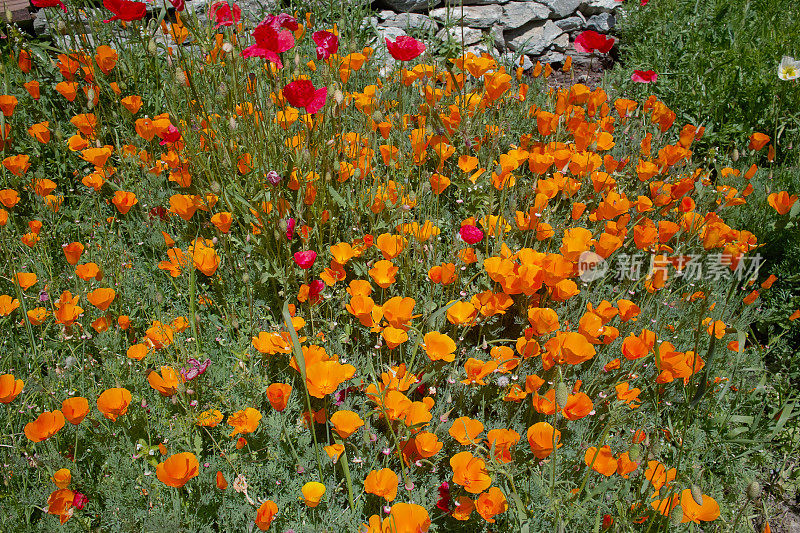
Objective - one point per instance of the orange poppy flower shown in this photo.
(124, 200)
(106, 58)
(541, 437)
(114, 402)
(60, 503)
(266, 514)
(245, 421)
(165, 383)
(345, 423)
(75, 409)
(222, 221)
(470, 472)
(33, 89)
(17, 164)
(781, 201)
(204, 257)
(439, 347)
(40, 132)
(758, 141)
(132, 103)
(706, 511)
(278, 395)
(324, 377)
(466, 430)
(602, 461)
(461, 313)
(390, 245)
(10, 388)
(382, 483)
(178, 469)
(7, 104)
(45, 426)
(501, 441)
(101, 298)
(62, 478)
(209, 418)
(491, 503)
(312, 493)
(26, 280)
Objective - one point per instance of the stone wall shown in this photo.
(541, 30)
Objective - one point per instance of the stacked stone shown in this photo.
(542, 30)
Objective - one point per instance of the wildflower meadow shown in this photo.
(284, 276)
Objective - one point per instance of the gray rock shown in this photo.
(602, 22)
(477, 49)
(482, 2)
(552, 56)
(512, 60)
(459, 34)
(561, 42)
(496, 33)
(517, 14)
(572, 23)
(474, 16)
(408, 21)
(562, 8)
(593, 7)
(404, 6)
(253, 11)
(535, 39)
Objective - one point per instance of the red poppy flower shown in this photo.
(644, 76)
(125, 10)
(273, 36)
(405, 48)
(50, 3)
(179, 5)
(590, 41)
(224, 14)
(301, 93)
(327, 44)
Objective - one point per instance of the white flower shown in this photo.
(789, 69)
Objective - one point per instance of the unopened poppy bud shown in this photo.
(561, 394)
(152, 47)
(233, 124)
(753, 490)
(296, 59)
(676, 515)
(62, 27)
(697, 494)
(160, 297)
(735, 155)
(9, 16)
(338, 96)
(222, 90)
(227, 48)
(635, 453)
(561, 527)
(180, 77)
(245, 278)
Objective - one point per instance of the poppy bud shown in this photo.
(753, 490)
(676, 515)
(635, 453)
(697, 495)
(561, 394)
(152, 47)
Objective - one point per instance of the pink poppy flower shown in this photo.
(471, 234)
(305, 260)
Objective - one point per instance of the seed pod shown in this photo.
(676, 515)
(697, 494)
(753, 490)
